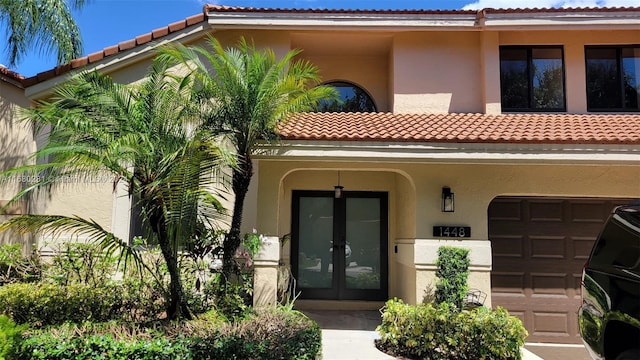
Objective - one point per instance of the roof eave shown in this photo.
(109, 64)
(561, 21)
(340, 21)
(452, 152)
(487, 19)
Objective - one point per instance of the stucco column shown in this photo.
(265, 273)
(490, 72)
(418, 261)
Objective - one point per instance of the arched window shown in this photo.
(352, 99)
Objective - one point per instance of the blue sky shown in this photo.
(107, 22)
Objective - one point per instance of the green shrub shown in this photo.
(268, 334)
(84, 263)
(41, 304)
(427, 331)
(10, 336)
(282, 334)
(48, 346)
(14, 267)
(452, 273)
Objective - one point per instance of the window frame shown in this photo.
(618, 49)
(530, 76)
(353, 85)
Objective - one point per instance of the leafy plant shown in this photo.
(232, 299)
(442, 332)
(268, 334)
(10, 336)
(14, 267)
(42, 304)
(253, 242)
(452, 273)
(82, 263)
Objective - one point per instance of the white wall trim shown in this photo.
(463, 153)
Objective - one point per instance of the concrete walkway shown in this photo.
(350, 335)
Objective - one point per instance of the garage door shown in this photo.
(539, 246)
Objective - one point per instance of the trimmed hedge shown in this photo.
(42, 304)
(452, 273)
(273, 334)
(426, 331)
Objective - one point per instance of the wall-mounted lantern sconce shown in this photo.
(338, 189)
(448, 204)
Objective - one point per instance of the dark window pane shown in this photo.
(352, 99)
(631, 76)
(547, 83)
(514, 76)
(603, 82)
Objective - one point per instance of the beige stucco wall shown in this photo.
(16, 143)
(414, 204)
(436, 72)
(89, 198)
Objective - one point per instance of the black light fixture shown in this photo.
(448, 204)
(338, 189)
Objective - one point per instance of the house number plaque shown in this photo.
(452, 231)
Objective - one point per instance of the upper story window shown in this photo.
(353, 99)
(532, 78)
(613, 78)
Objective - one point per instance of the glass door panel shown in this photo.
(315, 269)
(362, 251)
(339, 246)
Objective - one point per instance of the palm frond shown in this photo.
(46, 25)
(57, 225)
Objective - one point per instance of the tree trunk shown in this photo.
(240, 185)
(177, 306)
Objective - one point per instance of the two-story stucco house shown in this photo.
(510, 131)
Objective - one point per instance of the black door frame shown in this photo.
(338, 290)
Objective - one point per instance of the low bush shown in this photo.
(42, 304)
(268, 334)
(10, 336)
(427, 331)
(83, 263)
(14, 267)
(281, 334)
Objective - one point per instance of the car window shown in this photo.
(618, 245)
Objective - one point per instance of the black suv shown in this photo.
(610, 313)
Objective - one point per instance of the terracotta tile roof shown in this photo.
(115, 49)
(11, 76)
(465, 128)
(240, 9)
(560, 10)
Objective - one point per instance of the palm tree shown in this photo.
(147, 136)
(45, 24)
(248, 93)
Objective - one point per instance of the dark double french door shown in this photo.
(339, 245)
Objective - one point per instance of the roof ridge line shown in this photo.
(207, 8)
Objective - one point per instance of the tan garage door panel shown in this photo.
(539, 246)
